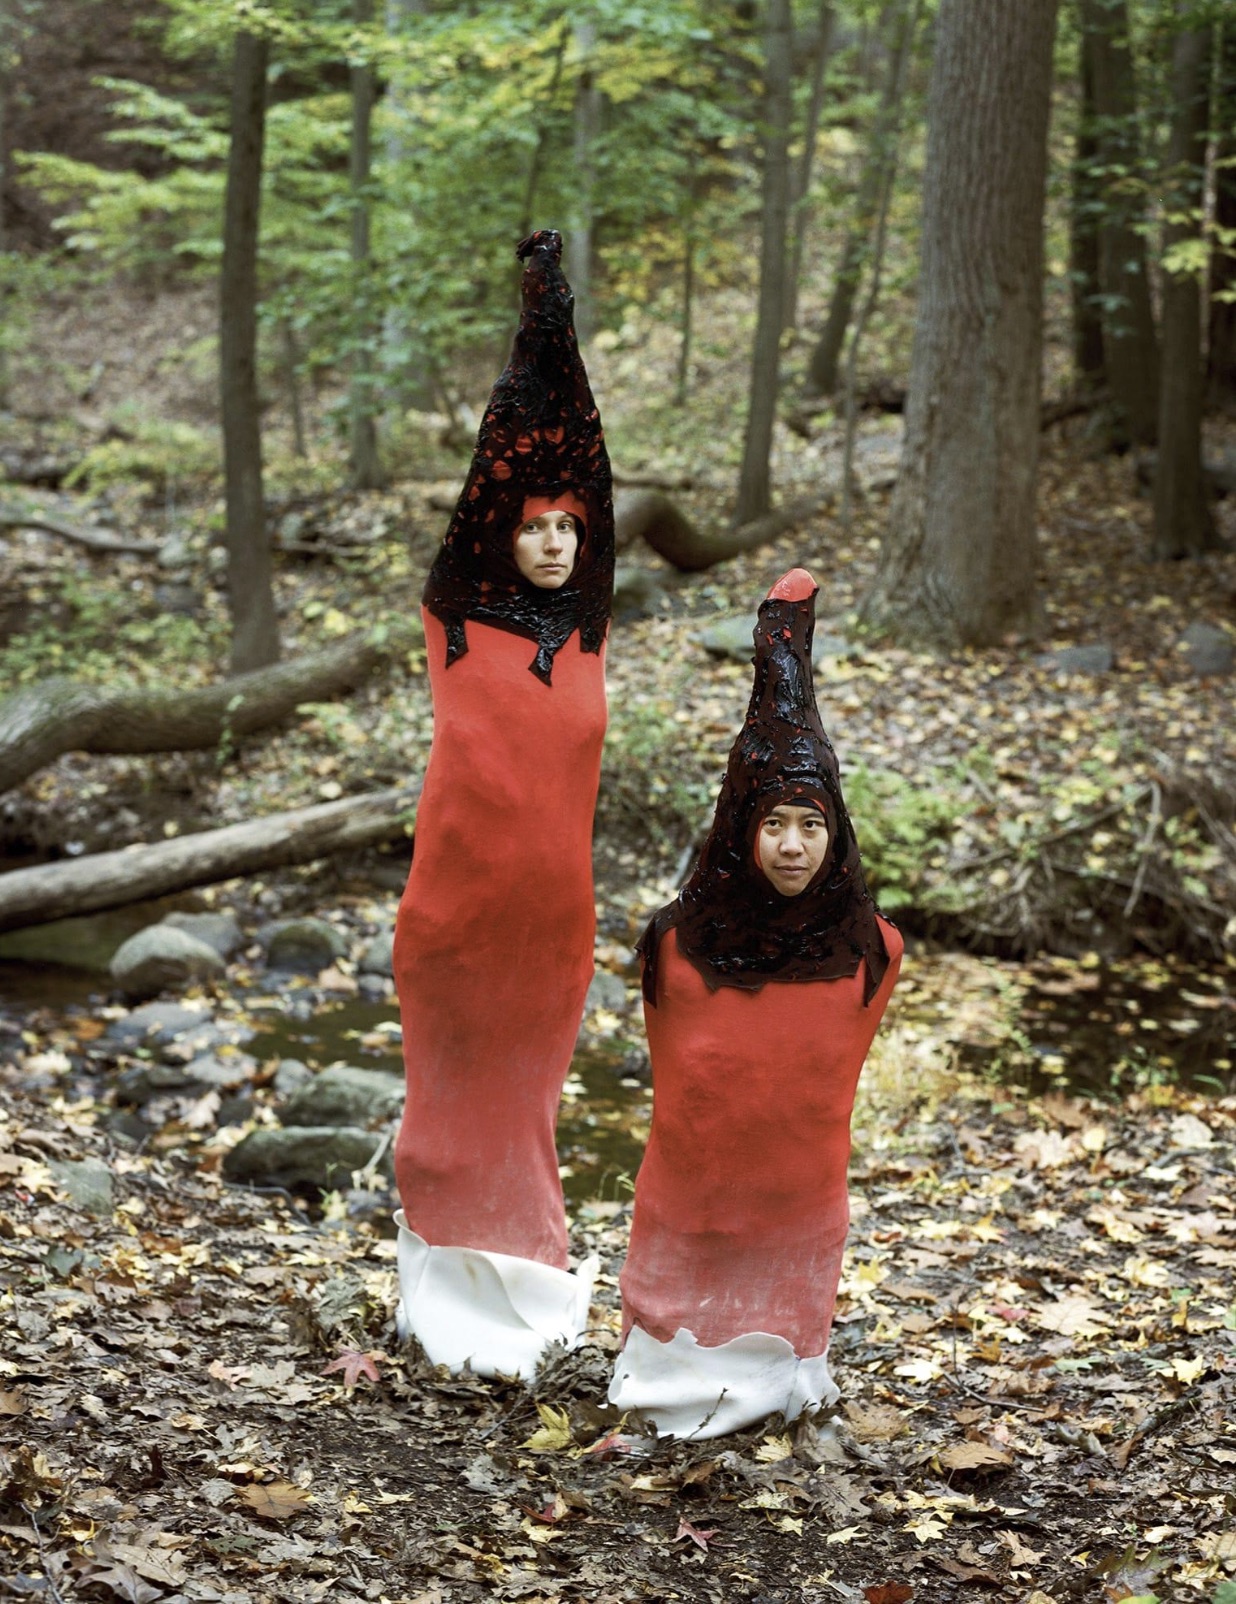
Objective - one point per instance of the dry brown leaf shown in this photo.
(275, 1500)
(876, 1422)
(1072, 1316)
(974, 1456)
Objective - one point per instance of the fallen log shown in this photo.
(653, 517)
(42, 721)
(75, 886)
(92, 539)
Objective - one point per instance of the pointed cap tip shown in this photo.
(797, 585)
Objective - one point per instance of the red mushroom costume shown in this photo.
(494, 936)
(761, 1008)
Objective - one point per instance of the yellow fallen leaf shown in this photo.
(1188, 1370)
(974, 1456)
(1158, 1534)
(845, 1534)
(773, 1449)
(787, 1523)
(554, 1432)
(1218, 1545)
(927, 1528)
(1071, 1316)
(275, 1500)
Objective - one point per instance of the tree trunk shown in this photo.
(688, 309)
(115, 879)
(1130, 350)
(251, 599)
(366, 469)
(753, 486)
(587, 130)
(958, 560)
(80, 534)
(409, 375)
(1221, 361)
(879, 168)
(291, 365)
(1182, 522)
(535, 166)
(800, 183)
(651, 516)
(1084, 232)
(42, 721)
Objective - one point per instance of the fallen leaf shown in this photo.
(700, 1536)
(554, 1432)
(354, 1365)
(844, 1534)
(124, 1581)
(927, 1528)
(228, 1374)
(275, 1500)
(974, 1456)
(1021, 1553)
(774, 1449)
(13, 1401)
(1188, 1370)
(888, 1593)
(1072, 1316)
(877, 1422)
(789, 1523)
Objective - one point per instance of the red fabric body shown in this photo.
(494, 941)
(741, 1205)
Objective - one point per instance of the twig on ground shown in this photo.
(1143, 856)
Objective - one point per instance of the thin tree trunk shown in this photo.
(366, 468)
(251, 599)
(1182, 522)
(824, 363)
(1130, 349)
(587, 130)
(754, 496)
(958, 560)
(537, 163)
(800, 180)
(870, 300)
(1221, 348)
(1084, 232)
(291, 368)
(688, 308)
(410, 380)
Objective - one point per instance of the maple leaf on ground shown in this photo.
(700, 1536)
(554, 1432)
(354, 1365)
(888, 1593)
(125, 1583)
(275, 1500)
(974, 1456)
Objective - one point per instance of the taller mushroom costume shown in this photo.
(494, 935)
(761, 1008)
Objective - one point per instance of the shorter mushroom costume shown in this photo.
(761, 1009)
(494, 936)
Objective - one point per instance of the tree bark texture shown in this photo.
(1182, 522)
(1130, 348)
(366, 468)
(800, 177)
(251, 600)
(115, 879)
(586, 132)
(879, 167)
(1221, 345)
(41, 721)
(409, 375)
(958, 561)
(754, 487)
(1084, 265)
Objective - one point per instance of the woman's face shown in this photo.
(545, 548)
(791, 846)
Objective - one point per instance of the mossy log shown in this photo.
(41, 721)
(103, 880)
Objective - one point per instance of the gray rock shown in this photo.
(304, 946)
(218, 930)
(87, 1181)
(1097, 659)
(605, 991)
(301, 1155)
(213, 1072)
(377, 987)
(730, 637)
(1208, 650)
(379, 956)
(180, 599)
(637, 592)
(205, 1038)
(175, 552)
(290, 1076)
(154, 1024)
(345, 1095)
(160, 957)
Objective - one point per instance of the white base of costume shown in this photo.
(491, 1311)
(686, 1390)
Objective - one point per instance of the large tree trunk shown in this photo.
(115, 879)
(958, 561)
(879, 168)
(1182, 523)
(1130, 349)
(41, 721)
(251, 599)
(754, 491)
(366, 469)
(1084, 262)
(800, 177)
(587, 130)
(1221, 358)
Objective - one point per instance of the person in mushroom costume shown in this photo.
(494, 935)
(764, 982)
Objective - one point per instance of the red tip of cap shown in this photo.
(797, 585)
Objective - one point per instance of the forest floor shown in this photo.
(1036, 1341)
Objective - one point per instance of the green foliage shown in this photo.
(652, 785)
(158, 451)
(904, 830)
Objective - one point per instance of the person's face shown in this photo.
(545, 549)
(791, 846)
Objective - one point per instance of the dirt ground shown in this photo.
(202, 1397)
